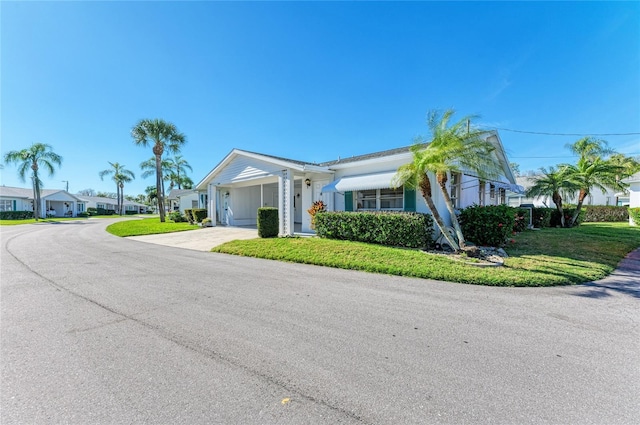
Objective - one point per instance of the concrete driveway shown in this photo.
(201, 239)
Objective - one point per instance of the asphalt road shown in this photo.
(97, 329)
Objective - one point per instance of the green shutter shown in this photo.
(14, 205)
(348, 201)
(409, 199)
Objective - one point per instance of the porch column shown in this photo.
(211, 194)
(285, 203)
(307, 200)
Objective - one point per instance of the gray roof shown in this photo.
(176, 193)
(364, 157)
(104, 200)
(20, 192)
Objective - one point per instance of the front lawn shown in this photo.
(42, 220)
(147, 226)
(537, 258)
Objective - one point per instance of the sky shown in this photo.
(310, 81)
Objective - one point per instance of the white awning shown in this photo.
(364, 182)
(515, 188)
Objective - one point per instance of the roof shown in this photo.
(20, 192)
(105, 200)
(177, 193)
(364, 157)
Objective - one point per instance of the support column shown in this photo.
(211, 195)
(285, 203)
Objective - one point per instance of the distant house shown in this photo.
(634, 192)
(244, 181)
(182, 199)
(610, 197)
(54, 202)
(111, 204)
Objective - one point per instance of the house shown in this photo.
(634, 192)
(244, 181)
(111, 204)
(54, 202)
(596, 197)
(182, 199)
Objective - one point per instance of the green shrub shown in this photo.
(176, 217)
(521, 220)
(268, 224)
(489, 225)
(16, 215)
(188, 215)
(199, 214)
(83, 214)
(406, 229)
(92, 211)
(542, 217)
(634, 213)
(130, 212)
(609, 213)
(568, 213)
(103, 211)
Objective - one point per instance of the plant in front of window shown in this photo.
(316, 207)
(454, 148)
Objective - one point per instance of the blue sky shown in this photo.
(310, 80)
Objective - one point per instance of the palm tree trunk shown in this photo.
(425, 189)
(557, 199)
(160, 187)
(576, 213)
(442, 182)
(36, 196)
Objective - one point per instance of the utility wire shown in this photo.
(564, 134)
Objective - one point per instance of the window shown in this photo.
(492, 191)
(503, 195)
(455, 189)
(101, 206)
(380, 199)
(80, 207)
(5, 205)
(194, 203)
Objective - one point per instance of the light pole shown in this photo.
(67, 182)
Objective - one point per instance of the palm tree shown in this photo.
(162, 136)
(120, 176)
(34, 157)
(453, 148)
(183, 182)
(148, 168)
(152, 195)
(552, 182)
(179, 165)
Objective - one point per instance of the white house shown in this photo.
(54, 202)
(111, 204)
(244, 181)
(182, 199)
(634, 192)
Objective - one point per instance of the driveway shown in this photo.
(199, 240)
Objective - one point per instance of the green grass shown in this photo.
(42, 220)
(147, 226)
(537, 258)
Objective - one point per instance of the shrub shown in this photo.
(83, 214)
(406, 229)
(609, 213)
(634, 213)
(130, 212)
(188, 215)
(489, 225)
(16, 215)
(102, 211)
(568, 213)
(92, 211)
(268, 225)
(521, 220)
(542, 217)
(176, 217)
(199, 214)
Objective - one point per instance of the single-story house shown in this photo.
(610, 197)
(111, 204)
(183, 199)
(54, 202)
(634, 192)
(244, 181)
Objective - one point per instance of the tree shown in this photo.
(87, 192)
(183, 182)
(148, 168)
(454, 148)
(552, 182)
(152, 195)
(178, 166)
(120, 176)
(34, 157)
(162, 136)
(592, 170)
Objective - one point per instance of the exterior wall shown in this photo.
(634, 197)
(243, 169)
(18, 204)
(185, 201)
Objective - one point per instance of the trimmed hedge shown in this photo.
(489, 225)
(16, 215)
(405, 229)
(568, 213)
(521, 220)
(268, 224)
(199, 214)
(542, 217)
(634, 213)
(176, 217)
(83, 214)
(609, 213)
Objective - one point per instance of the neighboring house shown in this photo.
(244, 181)
(54, 203)
(183, 199)
(610, 197)
(111, 204)
(634, 192)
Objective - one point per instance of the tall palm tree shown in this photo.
(183, 182)
(152, 195)
(179, 167)
(34, 157)
(552, 182)
(120, 176)
(454, 148)
(148, 168)
(161, 135)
